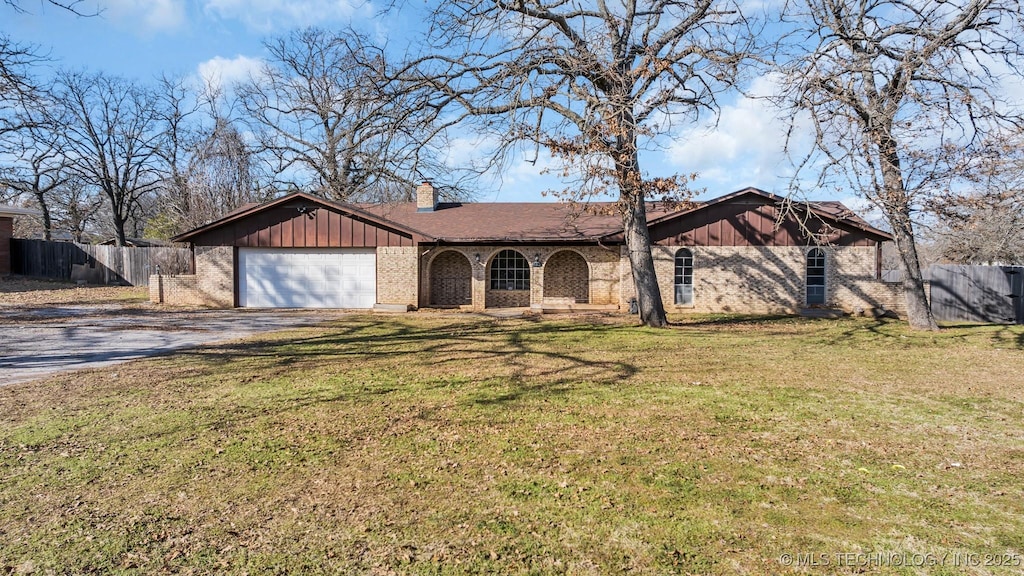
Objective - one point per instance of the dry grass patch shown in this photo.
(32, 292)
(453, 444)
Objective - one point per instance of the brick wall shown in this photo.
(215, 269)
(762, 279)
(397, 270)
(451, 279)
(212, 285)
(6, 233)
(176, 290)
(567, 276)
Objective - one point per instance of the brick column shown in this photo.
(6, 233)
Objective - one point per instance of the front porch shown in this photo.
(538, 278)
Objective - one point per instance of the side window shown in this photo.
(684, 277)
(815, 277)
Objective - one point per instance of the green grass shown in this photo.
(428, 444)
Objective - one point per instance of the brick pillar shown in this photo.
(6, 233)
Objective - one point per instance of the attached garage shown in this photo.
(300, 251)
(307, 277)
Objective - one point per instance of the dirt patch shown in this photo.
(21, 291)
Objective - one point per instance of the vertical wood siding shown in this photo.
(749, 223)
(285, 227)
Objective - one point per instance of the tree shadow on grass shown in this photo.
(1003, 335)
(514, 359)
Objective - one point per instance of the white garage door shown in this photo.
(307, 277)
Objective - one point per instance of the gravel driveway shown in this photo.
(39, 341)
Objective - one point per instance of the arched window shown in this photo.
(510, 271)
(684, 277)
(816, 276)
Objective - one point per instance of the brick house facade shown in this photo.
(738, 253)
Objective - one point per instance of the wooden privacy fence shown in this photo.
(978, 293)
(97, 264)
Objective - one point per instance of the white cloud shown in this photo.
(147, 15)
(746, 148)
(219, 72)
(268, 15)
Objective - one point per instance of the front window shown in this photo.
(684, 277)
(510, 271)
(816, 276)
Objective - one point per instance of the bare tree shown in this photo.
(36, 168)
(75, 207)
(111, 135)
(593, 83)
(324, 110)
(984, 223)
(900, 94)
(983, 229)
(17, 89)
(208, 165)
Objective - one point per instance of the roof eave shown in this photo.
(416, 235)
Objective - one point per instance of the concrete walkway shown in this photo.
(38, 342)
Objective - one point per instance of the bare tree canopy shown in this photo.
(983, 229)
(36, 166)
(324, 109)
(591, 82)
(985, 223)
(900, 95)
(17, 88)
(111, 134)
(77, 7)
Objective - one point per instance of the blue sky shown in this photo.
(222, 38)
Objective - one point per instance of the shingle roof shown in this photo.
(509, 221)
(526, 221)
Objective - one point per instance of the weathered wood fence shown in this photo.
(978, 293)
(102, 264)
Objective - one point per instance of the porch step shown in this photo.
(821, 313)
(566, 308)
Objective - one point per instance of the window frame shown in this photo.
(510, 271)
(682, 279)
(816, 259)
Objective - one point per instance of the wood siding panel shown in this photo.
(323, 235)
(309, 232)
(287, 238)
(285, 227)
(746, 222)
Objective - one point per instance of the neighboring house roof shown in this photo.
(528, 222)
(8, 211)
(137, 242)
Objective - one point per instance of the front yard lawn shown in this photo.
(436, 444)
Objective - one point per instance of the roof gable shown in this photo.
(326, 226)
(302, 220)
(753, 217)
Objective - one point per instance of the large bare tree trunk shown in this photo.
(919, 313)
(896, 205)
(638, 244)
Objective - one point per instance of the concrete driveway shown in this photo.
(41, 341)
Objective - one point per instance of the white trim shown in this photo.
(15, 211)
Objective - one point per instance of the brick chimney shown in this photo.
(426, 197)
